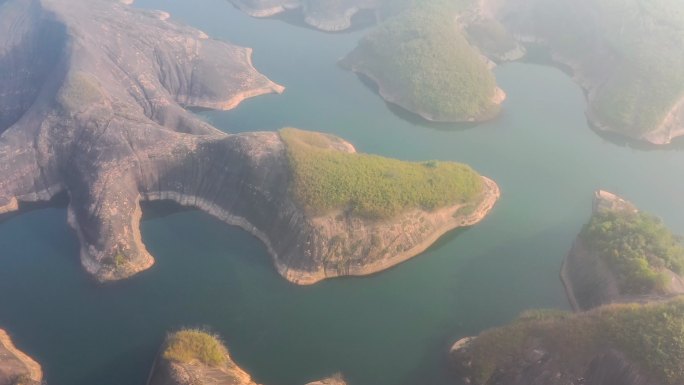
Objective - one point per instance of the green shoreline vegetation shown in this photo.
(189, 345)
(637, 246)
(421, 58)
(651, 336)
(325, 179)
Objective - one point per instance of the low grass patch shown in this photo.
(189, 345)
(325, 179)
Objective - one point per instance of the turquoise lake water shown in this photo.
(392, 328)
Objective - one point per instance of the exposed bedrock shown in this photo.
(109, 127)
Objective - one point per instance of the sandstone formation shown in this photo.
(326, 15)
(94, 107)
(16, 368)
(590, 282)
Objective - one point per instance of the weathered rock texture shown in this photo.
(102, 118)
(16, 368)
(326, 15)
(589, 282)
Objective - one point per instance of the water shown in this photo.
(393, 328)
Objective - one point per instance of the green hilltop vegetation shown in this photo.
(651, 336)
(645, 39)
(637, 246)
(190, 345)
(420, 57)
(325, 179)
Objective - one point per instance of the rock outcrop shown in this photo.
(16, 368)
(590, 281)
(193, 371)
(103, 120)
(326, 15)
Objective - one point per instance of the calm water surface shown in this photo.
(393, 328)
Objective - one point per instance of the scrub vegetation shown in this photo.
(637, 246)
(651, 336)
(421, 57)
(190, 345)
(326, 179)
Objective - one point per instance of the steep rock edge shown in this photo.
(592, 72)
(331, 16)
(109, 128)
(588, 280)
(16, 368)
(193, 372)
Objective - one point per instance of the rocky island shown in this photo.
(191, 357)
(422, 61)
(626, 267)
(622, 255)
(16, 368)
(102, 118)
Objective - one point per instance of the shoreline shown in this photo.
(497, 99)
(492, 195)
(567, 283)
(33, 367)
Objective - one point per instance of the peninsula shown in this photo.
(626, 55)
(102, 118)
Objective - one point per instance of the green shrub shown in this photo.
(421, 55)
(325, 179)
(637, 246)
(189, 345)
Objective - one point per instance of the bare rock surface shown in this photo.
(15, 366)
(103, 119)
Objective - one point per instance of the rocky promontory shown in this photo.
(95, 106)
(622, 255)
(16, 368)
(192, 357)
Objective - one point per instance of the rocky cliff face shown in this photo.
(590, 282)
(103, 119)
(326, 15)
(16, 368)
